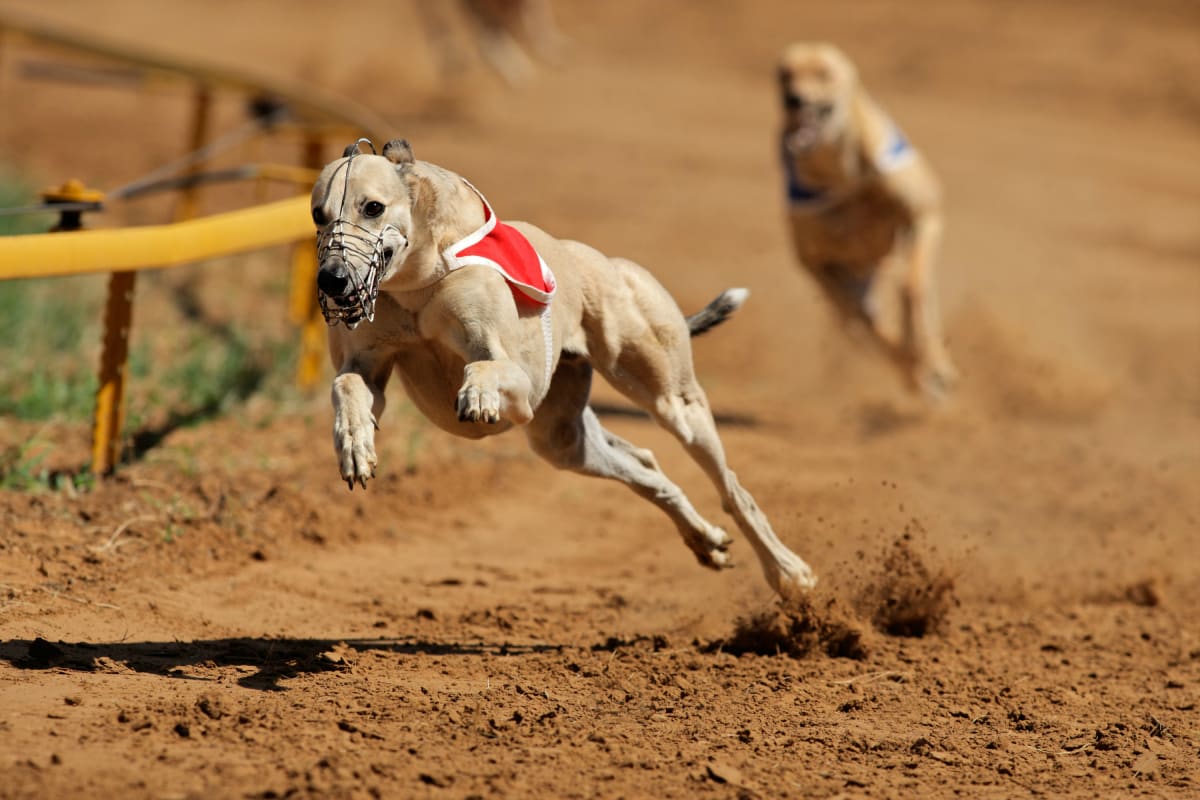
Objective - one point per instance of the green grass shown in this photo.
(42, 325)
(22, 469)
(15, 193)
(178, 375)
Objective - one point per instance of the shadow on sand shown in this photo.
(273, 659)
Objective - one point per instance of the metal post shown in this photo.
(110, 397)
(189, 201)
(74, 198)
(3, 43)
(302, 305)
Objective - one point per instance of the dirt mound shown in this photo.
(808, 625)
(908, 597)
(904, 596)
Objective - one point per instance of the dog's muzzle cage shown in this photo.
(363, 254)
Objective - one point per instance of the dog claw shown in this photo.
(349, 483)
(362, 481)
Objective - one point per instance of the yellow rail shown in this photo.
(155, 246)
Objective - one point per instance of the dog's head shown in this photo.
(362, 205)
(817, 83)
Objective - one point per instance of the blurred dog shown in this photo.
(509, 35)
(859, 195)
(485, 336)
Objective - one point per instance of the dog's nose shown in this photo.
(792, 101)
(333, 280)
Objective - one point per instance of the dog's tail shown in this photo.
(717, 311)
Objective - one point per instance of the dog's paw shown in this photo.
(793, 578)
(479, 398)
(937, 381)
(711, 547)
(354, 443)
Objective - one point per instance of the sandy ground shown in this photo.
(1009, 584)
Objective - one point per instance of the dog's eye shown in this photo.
(319, 217)
(373, 209)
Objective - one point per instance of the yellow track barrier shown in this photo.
(155, 246)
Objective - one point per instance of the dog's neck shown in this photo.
(444, 210)
(445, 207)
(829, 166)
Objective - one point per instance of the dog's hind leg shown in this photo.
(933, 369)
(567, 433)
(687, 415)
(657, 374)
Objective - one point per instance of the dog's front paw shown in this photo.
(479, 398)
(354, 443)
(937, 380)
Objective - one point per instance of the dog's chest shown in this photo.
(398, 327)
(860, 228)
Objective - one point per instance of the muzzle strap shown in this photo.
(362, 253)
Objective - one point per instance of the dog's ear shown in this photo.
(350, 150)
(398, 151)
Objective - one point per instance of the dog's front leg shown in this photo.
(933, 370)
(358, 401)
(494, 387)
(474, 316)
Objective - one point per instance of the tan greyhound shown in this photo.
(858, 196)
(491, 326)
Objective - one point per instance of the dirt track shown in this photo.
(479, 625)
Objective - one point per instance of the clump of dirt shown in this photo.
(797, 627)
(1144, 593)
(908, 597)
(904, 596)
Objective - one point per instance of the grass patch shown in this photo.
(15, 193)
(22, 469)
(43, 325)
(208, 378)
